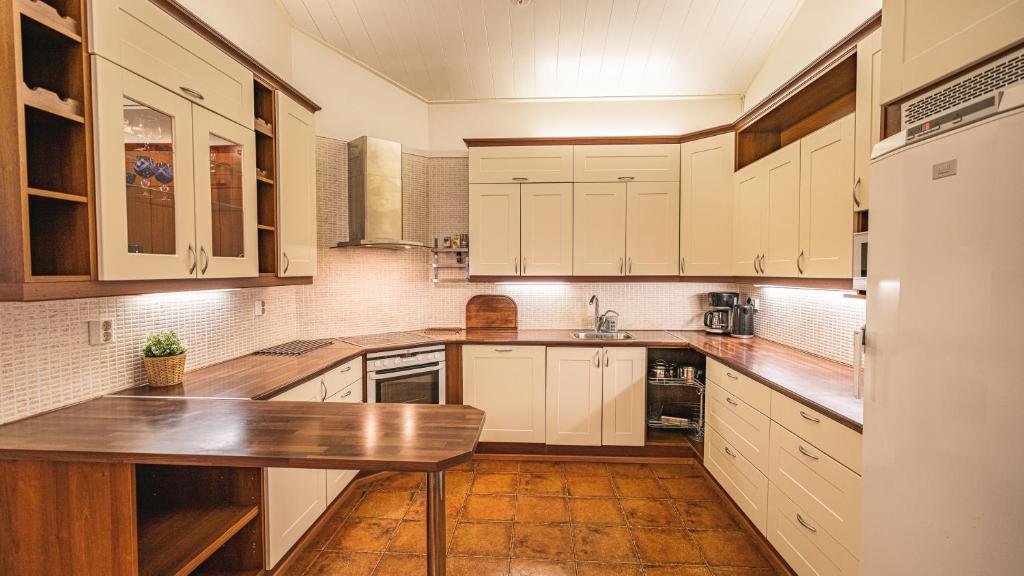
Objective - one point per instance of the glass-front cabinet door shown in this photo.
(225, 184)
(145, 194)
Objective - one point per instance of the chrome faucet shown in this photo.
(597, 312)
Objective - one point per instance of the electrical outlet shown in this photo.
(260, 308)
(756, 302)
(101, 332)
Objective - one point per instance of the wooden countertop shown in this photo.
(822, 384)
(242, 433)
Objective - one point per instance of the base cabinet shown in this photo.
(508, 384)
(624, 411)
(797, 536)
(574, 390)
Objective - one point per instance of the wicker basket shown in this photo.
(164, 371)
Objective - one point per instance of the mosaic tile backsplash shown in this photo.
(46, 361)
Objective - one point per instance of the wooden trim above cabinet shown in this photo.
(39, 291)
(568, 141)
(821, 283)
(264, 74)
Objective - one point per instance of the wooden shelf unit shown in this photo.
(46, 197)
(264, 105)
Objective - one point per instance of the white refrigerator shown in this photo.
(943, 482)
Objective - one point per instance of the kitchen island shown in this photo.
(168, 485)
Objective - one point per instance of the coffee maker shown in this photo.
(719, 319)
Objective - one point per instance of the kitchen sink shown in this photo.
(592, 335)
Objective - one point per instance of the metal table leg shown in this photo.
(436, 548)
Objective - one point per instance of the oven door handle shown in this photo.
(434, 367)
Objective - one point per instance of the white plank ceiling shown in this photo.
(485, 49)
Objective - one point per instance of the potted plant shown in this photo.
(163, 357)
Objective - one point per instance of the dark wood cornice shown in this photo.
(707, 133)
(181, 14)
(38, 291)
(569, 141)
(822, 283)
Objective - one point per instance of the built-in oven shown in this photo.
(860, 261)
(410, 376)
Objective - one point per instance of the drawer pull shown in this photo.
(731, 401)
(806, 453)
(345, 369)
(502, 349)
(346, 394)
(807, 416)
(193, 93)
(519, 179)
(731, 375)
(730, 452)
(804, 523)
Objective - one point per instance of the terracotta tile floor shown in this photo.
(527, 518)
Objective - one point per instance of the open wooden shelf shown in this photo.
(51, 60)
(56, 195)
(55, 149)
(264, 180)
(55, 227)
(59, 16)
(48, 101)
(263, 128)
(178, 541)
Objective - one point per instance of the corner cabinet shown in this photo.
(177, 190)
(508, 383)
(296, 188)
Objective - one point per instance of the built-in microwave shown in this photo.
(860, 261)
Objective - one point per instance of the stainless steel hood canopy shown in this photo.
(375, 195)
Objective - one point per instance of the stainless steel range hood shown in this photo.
(375, 195)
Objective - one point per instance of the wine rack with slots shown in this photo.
(47, 194)
(266, 190)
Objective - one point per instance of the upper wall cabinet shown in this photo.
(296, 188)
(926, 41)
(516, 164)
(494, 227)
(705, 217)
(826, 201)
(652, 229)
(599, 229)
(766, 227)
(626, 162)
(150, 42)
(869, 113)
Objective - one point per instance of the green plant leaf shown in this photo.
(163, 344)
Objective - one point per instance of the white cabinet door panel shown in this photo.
(515, 164)
(508, 384)
(747, 486)
(599, 229)
(869, 112)
(826, 201)
(781, 239)
(624, 416)
(546, 212)
(739, 424)
(749, 199)
(652, 229)
(494, 228)
(705, 221)
(296, 189)
(626, 163)
(800, 539)
(574, 396)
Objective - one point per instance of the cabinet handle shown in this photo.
(808, 417)
(730, 452)
(798, 259)
(856, 185)
(621, 264)
(515, 265)
(805, 452)
(323, 389)
(804, 523)
(626, 178)
(759, 264)
(731, 375)
(287, 262)
(520, 179)
(502, 349)
(191, 92)
(192, 257)
(606, 361)
(682, 266)
(597, 359)
(346, 394)
(731, 401)
(206, 259)
(754, 264)
(524, 264)
(345, 369)
(629, 269)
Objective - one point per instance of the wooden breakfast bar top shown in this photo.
(243, 433)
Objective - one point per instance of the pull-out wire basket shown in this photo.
(687, 413)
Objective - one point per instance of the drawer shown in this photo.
(310, 391)
(344, 376)
(808, 548)
(749, 390)
(840, 442)
(739, 424)
(627, 163)
(747, 486)
(515, 164)
(146, 40)
(826, 489)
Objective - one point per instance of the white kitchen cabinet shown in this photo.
(739, 423)
(826, 201)
(748, 220)
(494, 227)
(225, 190)
(747, 486)
(546, 230)
(295, 142)
(751, 391)
(515, 164)
(574, 391)
(624, 412)
(295, 497)
(925, 41)
(599, 229)
(780, 243)
(652, 229)
(869, 113)
(508, 384)
(798, 537)
(706, 205)
(343, 384)
(141, 37)
(626, 163)
(839, 441)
